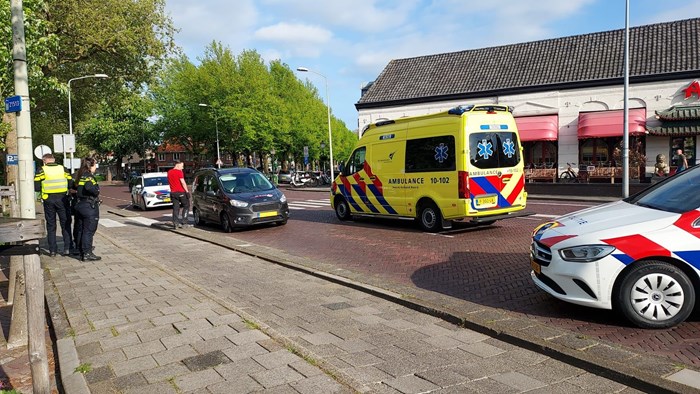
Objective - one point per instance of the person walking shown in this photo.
(179, 195)
(53, 181)
(87, 208)
(682, 161)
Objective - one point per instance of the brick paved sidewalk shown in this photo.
(162, 313)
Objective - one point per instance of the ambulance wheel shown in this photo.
(342, 209)
(430, 218)
(655, 294)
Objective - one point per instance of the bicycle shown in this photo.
(569, 175)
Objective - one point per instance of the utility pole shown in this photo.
(32, 267)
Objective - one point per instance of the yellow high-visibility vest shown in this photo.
(55, 181)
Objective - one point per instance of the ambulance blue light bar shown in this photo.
(488, 108)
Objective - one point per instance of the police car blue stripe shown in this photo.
(623, 258)
(692, 257)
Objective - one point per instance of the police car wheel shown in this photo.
(342, 209)
(655, 294)
(226, 223)
(430, 218)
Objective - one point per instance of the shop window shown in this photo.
(594, 151)
(688, 146)
(540, 154)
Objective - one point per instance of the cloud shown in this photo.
(201, 22)
(357, 15)
(295, 33)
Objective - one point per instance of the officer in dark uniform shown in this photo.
(87, 208)
(53, 181)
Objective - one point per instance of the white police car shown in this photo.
(151, 190)
(640, 256)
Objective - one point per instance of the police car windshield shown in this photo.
(159, 181)
(245, 183)
(678, 194)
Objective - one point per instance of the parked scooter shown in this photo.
(305, 179)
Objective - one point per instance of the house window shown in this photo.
(161, 156)
(176, 157)
(540, 154)
(594, 151)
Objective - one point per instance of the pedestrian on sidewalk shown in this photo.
(179, 195)
(53, 181)
(87, 208)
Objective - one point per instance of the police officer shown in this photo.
(87, 208)
(53, 182)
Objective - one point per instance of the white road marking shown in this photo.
(542, 215)
(306, 204)
(560, 204)
(111, 223)
(142, 220)
(293, 208)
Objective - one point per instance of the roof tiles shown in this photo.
(655, 51)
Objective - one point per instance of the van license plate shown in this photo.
(486, 201)
(267, 214)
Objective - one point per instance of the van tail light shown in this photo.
(463, 184)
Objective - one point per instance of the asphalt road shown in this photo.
(484, 265)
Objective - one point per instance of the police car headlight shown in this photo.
(283, 199)
(150, 195)
(238, 203)
(586, 253)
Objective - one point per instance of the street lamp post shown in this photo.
(328, 105)
(70, 113)
(216, 125)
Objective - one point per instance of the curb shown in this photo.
(646, 373)
(66, 352)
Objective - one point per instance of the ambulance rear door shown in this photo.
(495, 181)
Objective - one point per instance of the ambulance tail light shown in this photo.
(463, 184)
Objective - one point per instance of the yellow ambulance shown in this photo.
(463, 164)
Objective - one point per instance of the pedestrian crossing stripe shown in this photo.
(142, 220)
(111, 223)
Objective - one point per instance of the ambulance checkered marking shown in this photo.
(359, 189)
(514, 185)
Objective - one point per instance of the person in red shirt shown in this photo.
(180, 195)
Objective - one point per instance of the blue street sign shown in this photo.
(13, 104)
(12, 160)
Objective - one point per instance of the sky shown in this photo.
(350, 42)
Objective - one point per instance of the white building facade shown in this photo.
(577, 120)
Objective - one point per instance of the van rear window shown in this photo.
(430, 154)
(494, 150)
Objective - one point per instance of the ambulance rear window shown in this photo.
(494, 150)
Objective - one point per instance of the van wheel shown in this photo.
(655, 294)
(226, 223)
(198, 221)
(342, 209)
(430, 218)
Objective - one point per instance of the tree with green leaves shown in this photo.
(121, 129)
(128, 40)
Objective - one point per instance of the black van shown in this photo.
(236, 197)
